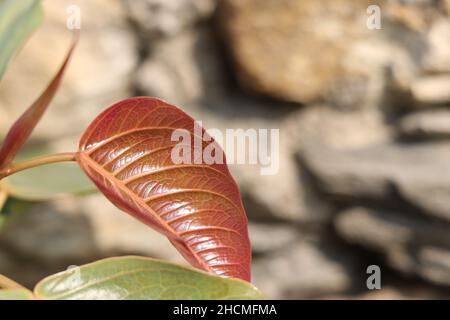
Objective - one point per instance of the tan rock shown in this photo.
(431, 89)
(310, 51)
(437, 56)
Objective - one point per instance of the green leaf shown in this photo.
(139, 278)
(16, 294)
(17, 20)
(48, 181)
(11, 290)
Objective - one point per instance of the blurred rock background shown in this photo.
(364, 119)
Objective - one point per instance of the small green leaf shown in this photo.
(48, 181)
(17, 20)
(45, 182)
(139, 278)
(16, 294)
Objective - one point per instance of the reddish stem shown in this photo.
(27, 164)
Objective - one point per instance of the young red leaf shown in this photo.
(127, 152)
(23, 127)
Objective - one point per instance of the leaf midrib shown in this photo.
(141, 202)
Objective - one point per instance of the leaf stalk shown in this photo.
(35, 162)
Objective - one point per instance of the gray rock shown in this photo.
(426, 124)
(413, 246)
(304, 270)
(164, 18)
(435, 264)
(74, 231)
(183, 69)
(293, 199)
(417, 173)
(50, 234)
(270, 237)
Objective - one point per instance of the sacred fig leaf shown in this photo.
(139, 278)
(17, 21)
(23, 127)
(128, 152)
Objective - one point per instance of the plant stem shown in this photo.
(27, 164)
(6, 283)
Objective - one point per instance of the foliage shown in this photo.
(132, 278)
(126, 152)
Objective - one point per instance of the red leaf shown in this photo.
(24, 126)
(126, 151)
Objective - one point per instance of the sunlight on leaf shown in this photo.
(139, 278)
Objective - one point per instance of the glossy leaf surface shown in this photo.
(23, 127)
(127, 152)
(17, 20)
(137, 278)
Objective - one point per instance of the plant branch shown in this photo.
(6, 283)
(27, 164)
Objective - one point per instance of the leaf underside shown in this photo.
(126, 151)
(138, 278)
